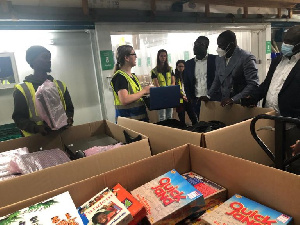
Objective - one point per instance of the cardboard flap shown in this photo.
(236, 140)
(271, 187)
(229, 114)
(34, 143)
(161, 138)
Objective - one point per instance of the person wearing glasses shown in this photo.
(162, 75)
(126, 87)
(185, 105)
(199, 74)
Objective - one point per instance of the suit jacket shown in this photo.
(190, 79)
(288, 97)
(238, 79)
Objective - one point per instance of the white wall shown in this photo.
(175, 38)
(72, 62)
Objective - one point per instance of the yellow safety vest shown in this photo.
(126, 110)
(28, 91)
(161, 78)
(5, 82)
(181, 91)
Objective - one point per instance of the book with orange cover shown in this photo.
(136, 209)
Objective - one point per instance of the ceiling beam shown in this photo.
(85, 7)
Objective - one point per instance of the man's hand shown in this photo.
(296, 148)
(203, 98)
(185, 98)
(248, 102)
(226, 101)
(70, 121)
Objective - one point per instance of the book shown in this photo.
(57, 210)
(104, 208)
(168, 198)
(136, 209)
(241, 210)
(213, 193)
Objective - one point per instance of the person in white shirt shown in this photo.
(280, 90)
(199, 74)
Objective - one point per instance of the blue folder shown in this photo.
(164, 97)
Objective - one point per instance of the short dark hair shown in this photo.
(228, 35)
(203, 38)
(180, 61)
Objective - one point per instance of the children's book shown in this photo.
(57, 210)
(104, 208)
(240, 210)
(136, 209)
(169, 198)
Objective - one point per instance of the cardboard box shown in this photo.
(234, 139)
(241, 210)
(39, 182)
(273, 188)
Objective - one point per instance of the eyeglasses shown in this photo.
(132, 54)
(180, 66)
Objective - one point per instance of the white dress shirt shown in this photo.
(282, 71)
(201, 77)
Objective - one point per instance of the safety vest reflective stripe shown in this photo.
(181, 91)
(61, 87)
(30, 97)
(161, 78)
(131, 105)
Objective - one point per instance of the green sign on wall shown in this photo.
(169, 58)
(268, 47)
(148, 61)
(186, 55)
(139, 62)
(107, 60)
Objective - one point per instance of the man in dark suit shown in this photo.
(236, 72)
(199, 74)
(280, 90)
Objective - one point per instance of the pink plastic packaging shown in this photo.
(6, 157)
(49, 106)
(38, 160)
(97, 149)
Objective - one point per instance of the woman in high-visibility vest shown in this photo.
(162, 75)
(126, 87)
(185, 105)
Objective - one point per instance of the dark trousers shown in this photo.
(186, 107)
(196, 107)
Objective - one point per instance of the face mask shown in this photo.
(286, 49)
(222, 52)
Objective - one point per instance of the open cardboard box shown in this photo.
(234, 139)
(27, 186)
(271, 187)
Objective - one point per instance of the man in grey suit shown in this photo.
(236, 72)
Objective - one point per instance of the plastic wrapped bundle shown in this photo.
(38, 160)
(8, 177)
(97, 149)
(6, 157)
(49, 106)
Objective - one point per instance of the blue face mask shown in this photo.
(286, 49)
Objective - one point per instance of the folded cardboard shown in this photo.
(273, 188)
(34, 143)
(29, 185)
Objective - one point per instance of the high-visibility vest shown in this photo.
(28, 91)
(178, 82)
(135, 110)
(161, 78)
(5, 82)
